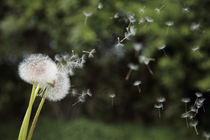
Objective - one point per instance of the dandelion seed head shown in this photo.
(38, 68)
(60, 87)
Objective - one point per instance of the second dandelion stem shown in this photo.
(35, 119)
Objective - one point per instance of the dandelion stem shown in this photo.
(112, 101)
(25, 123)
(86, 20)
(149, 69)
(128, 74)
(139, 89)
(204, 109)
(159, 113)
(185, 107)
(196, 131)
(187, 124)
(35, 119)
(165, 53)
(167, 31)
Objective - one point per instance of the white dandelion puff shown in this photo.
(60, 87)
(38, 68)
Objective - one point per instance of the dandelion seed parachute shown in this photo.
(60, 87)
(38, 68)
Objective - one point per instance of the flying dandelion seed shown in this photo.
(194, 26)
(131, 31)
(82, 97)
(100, 6)
(162, 48)
(132, 67)
(159, 107)
(194, 125)
(141, 21)
(90, 54)
(186, 10)
(185, 101)
(74, 93)
(157, 10)
(131, 19)
(87, 15)
(137, 47)
(148, 20)
(116, 15)
(141, 10)
(186, 116)
(206, 135)
(196, 48)
(169, 24)
(146, 61)
(112, 96)
(137, 84)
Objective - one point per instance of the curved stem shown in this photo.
(35, 119)
(25, 123)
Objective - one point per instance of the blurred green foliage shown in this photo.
(83, 129)
(57, 27)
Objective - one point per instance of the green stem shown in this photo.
(35, 119)
(25, 123)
